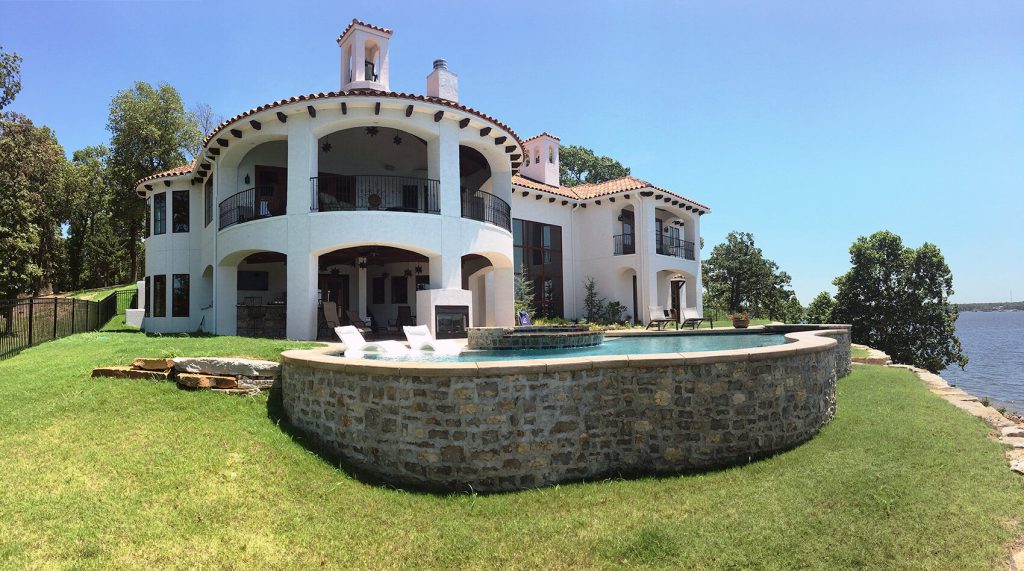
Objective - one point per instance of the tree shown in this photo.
(896, 299)
(10, 77)
(820, 309)
(593, 304)
(150, 132)
(206, 120)
(738, 277)
(523, 292)
(31, 205)
(90, 223)
(579, 165)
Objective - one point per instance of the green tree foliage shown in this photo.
(897, 300)
(523, 292)
(150, 132)
(737, 277)
(579, 165)
(94, 255)
(593, 303)
(31, 205)
(820, 309)
(10, 77)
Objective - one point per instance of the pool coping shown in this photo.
(797, 343)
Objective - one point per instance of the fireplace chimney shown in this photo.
(443, 83)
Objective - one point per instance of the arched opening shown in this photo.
(372, 63)
(260, 285)
(671, 235)
(261, 187)
(488, 276)
(676, 290)
(347, 68)
(480, 200)
(374, 168)
(370, 286)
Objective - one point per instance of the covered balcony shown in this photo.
(333, 193)
(675, 247)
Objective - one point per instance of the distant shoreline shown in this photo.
(1004, 306)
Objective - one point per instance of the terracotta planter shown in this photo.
(740, 323)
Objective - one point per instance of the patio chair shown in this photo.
(660, 318)
(379, 328)
(356, 321)
(356, 346)
(404, 318)
(691, 318)
(420, 339)
(330, 310)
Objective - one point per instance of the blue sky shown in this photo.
(806, 123)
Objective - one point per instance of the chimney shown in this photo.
(443, 83)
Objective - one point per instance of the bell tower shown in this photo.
(364, 56)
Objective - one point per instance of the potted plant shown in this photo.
(740, 319)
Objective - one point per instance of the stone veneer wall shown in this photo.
(513, 425)
(532, 337)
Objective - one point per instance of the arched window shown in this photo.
(536, 155)
(527, 159)
(551, 155)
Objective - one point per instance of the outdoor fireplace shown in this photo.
(451, 321)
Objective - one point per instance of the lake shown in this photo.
(994, 343)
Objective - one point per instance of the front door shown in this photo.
(334, 288)
(675, 286)
(271, 190)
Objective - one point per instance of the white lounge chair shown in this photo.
(691, 318)
(660, 318)
(356, 346)
(420, 339)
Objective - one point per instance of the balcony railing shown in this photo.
(250, 204)
(374, 192)
(669, 246)
(625, 244)
(485, 207)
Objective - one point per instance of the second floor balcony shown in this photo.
(254, 203)
(676, 247)
(335, 193)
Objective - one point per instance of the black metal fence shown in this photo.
(677, 247)
(28, 322)
(624, 244)
(333, 193)
(250, 204)
(486, 207)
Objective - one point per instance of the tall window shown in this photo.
(149, 211)
(160, 214)
(208, 202)
(179, 295)
(179, 211)
(160, 296)
(538, 248)
(377, 293)
(149, 294)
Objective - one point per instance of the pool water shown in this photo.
(612, 346)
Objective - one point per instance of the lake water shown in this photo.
(994, 342)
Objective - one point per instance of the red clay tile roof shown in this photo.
(588, 191)
(363, 93)
(176, 171)
(541, 135)
(358, 22)
(565, 191)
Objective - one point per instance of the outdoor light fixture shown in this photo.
(419, 269)
(246, 178)
(397, 140)
(372, 131)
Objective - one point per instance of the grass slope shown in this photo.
(113, 473)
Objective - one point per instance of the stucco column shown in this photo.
(698, 286)
(646, 248)
(444, 161)
(361, 291)
(301, 264)
(503, 294)
(226, 297)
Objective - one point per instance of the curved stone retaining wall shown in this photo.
(495, 426)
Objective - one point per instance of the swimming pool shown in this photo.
(634, 345)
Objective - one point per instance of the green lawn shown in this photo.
(859, 352)
(96, 295)
(138, 474)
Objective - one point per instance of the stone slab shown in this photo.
(197, 381)
(121, 372)
(237, 392)
(1014, 442)
(1015, 431)
(153, 364)
(227, 366)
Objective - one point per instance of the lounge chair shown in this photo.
(331, 314)
(660, 318)
(356, 321)
(691, 318)
(356, 346)
(420, 339)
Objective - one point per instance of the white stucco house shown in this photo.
(399, 208)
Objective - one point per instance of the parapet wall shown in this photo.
(496, 426)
